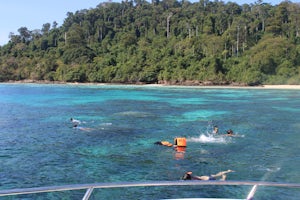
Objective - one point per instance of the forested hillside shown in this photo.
(168, 41)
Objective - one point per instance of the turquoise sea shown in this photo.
(39, 146)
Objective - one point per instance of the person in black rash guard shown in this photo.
(189, 176)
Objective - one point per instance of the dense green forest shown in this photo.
(168, 41)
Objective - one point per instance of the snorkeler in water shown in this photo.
(178, 142)
(75, 121)
(215, 130)
(189, 176)
(229, 133)
(164, 143)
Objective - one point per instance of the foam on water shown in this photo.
(209, 138)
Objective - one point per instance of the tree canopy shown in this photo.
(168, 41)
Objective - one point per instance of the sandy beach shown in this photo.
(286, 87)
(293, 87)
(296, 87)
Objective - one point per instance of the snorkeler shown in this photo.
(216, 130)
(229, 133)
(178, 142)
(164, 143)
(179, 147)
(75, 121)
(188, 176)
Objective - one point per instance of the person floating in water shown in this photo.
(229, 132)
(178, 142)
(179, 146)
(215, 130)
(189, 176)
(75, 121)
(164, 143)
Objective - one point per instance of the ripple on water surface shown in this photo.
(39, 146)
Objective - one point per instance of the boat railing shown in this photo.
(90, 187)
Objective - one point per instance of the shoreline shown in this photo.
(293, 87)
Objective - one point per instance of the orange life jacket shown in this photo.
(180, 142)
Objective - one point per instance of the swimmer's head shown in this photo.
(187, 176)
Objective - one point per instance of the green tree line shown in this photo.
(162, 41)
